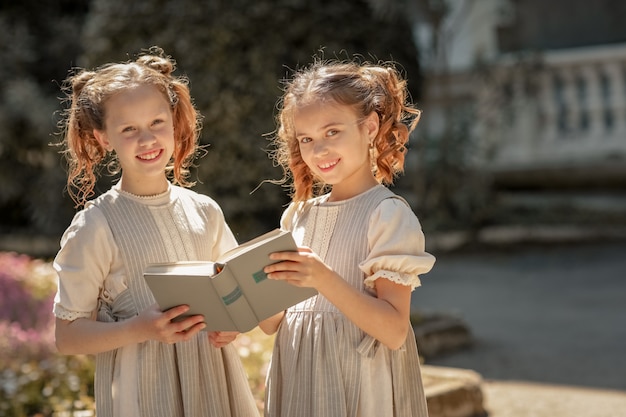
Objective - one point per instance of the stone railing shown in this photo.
(557, 108)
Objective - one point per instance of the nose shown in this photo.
(320, 147)
(147, 138)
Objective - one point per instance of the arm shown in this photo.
(271, 324)
(87, 264)
(397, 244)
(385, 317)
(87, 336)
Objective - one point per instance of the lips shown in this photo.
(149, 156)
(326, 166)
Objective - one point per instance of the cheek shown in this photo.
(302, 150)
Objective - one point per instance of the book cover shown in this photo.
(232, 293)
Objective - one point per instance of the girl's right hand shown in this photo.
(154, 324)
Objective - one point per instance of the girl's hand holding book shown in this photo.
(221, 339)
(157, 325)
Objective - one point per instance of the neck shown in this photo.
(339, 193)
(145, 188)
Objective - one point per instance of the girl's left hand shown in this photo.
(302, 269)
(221, 339)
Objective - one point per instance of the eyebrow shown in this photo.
(326, 126)
(161, 114)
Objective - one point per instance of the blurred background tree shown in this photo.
(235, 54)
(37, 45)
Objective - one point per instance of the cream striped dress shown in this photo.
(322, 364)
(100, 264)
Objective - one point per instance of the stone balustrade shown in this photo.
(560, 107)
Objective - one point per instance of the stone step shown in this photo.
(453, 392)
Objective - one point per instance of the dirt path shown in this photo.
(539, 314)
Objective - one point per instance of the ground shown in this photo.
(547, 322)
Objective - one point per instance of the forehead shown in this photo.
(136, 102)
(133, 95)
(322, 113)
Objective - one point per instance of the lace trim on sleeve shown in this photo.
(65, 314)
(397, 277)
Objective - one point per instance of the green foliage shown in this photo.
(255, 350)
(34, 379)
(234, 52)
(453, 194)
(37, 45)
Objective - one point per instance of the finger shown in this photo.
(228, 335)
(190, 332)
(180, 310)
(189, 322)
(175, 311)
(295, 282)
(283, 266)
(225, 339)
(284, 256)
(219, 341)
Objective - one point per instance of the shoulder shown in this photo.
(392, 206)
(90, 218)
(295, 210)
(393, 215)
(195, 198)
(89, 228)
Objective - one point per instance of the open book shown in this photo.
(233, 293)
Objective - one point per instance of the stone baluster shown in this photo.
(524, 123)
(616, 99)
(593, 101)
(570, 101)
(548, 107)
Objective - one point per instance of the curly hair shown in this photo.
(366, 88)
(87, 91)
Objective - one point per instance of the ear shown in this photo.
(101, 137)
(372, 124)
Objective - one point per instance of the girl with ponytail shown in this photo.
(349, 351)
(137, 121)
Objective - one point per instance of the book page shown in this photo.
(197, 268)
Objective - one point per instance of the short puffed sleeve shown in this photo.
(397, 245)
(82, 264)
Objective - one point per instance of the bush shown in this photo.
(35, 380)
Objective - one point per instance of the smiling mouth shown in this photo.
(328, 165)
(149, 156)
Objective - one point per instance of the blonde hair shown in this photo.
(366, 88)
(88, 91)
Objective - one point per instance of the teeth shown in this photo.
(148, 156)
(328, 165)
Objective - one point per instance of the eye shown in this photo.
(157, 122)
(128, 129)
(332, 132)
(305, 139)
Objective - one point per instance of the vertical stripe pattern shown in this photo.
(318, 356)
(184, 379)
